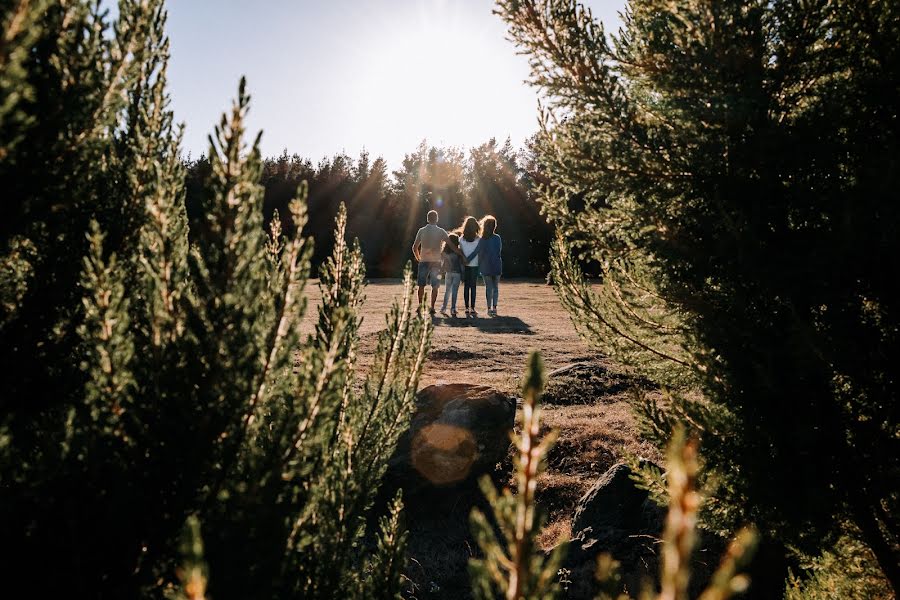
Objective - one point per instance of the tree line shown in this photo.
(385, 208)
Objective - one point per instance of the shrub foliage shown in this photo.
(732, 166)
(148, 380)
(513, 567)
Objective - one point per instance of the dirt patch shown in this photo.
(586, 402)
(482, 350)
(440, 542)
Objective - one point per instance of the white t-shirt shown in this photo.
(469, 247)
(432, 239)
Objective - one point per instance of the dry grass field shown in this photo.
(587, 402)
(483, 350)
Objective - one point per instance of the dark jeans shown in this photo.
(470, 279)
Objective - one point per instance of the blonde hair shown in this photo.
(488, 225)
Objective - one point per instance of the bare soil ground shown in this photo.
(482, 350)
(587, 404)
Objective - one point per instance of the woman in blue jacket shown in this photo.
(489, 261)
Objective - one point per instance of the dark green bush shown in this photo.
(732, 165)
(146, 381)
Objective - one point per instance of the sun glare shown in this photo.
(430, 75)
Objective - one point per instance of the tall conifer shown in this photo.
(151, 379)
(731, 167)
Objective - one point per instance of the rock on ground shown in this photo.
(615, 517)
(458, 432)
(615, 507)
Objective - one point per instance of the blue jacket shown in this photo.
(488, 251)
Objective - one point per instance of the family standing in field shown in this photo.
(459, 256)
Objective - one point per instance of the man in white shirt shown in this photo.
(427, 250)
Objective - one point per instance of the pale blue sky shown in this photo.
(339, 75)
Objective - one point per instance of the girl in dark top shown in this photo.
(471, 230)
(452, 267)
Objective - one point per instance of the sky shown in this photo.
(329, 76)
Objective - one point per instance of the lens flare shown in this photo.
(443, 454)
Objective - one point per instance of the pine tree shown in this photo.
(497, 184)
(164, 374)
(731, 167)
(680, 537)
(73, 92)
(71, 121)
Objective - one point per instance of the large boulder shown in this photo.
(458, 432)
(615, 517)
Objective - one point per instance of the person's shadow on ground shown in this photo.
(501, 324)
